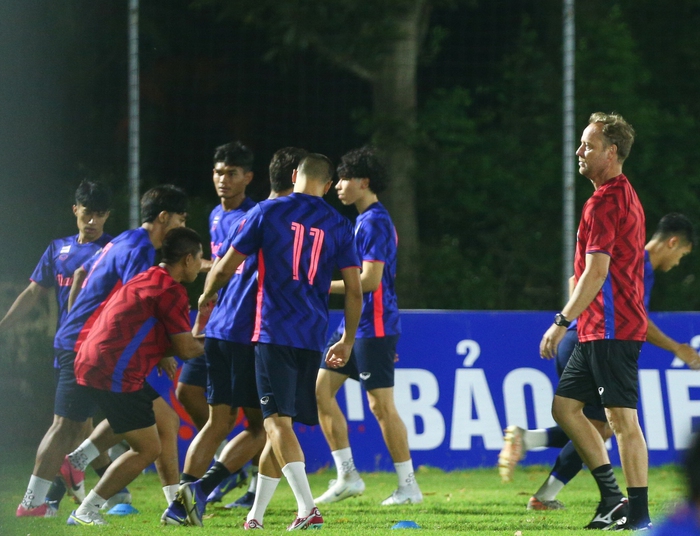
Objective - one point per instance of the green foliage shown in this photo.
(490, 165)
(345, 31)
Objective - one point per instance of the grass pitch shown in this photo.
(461, 502)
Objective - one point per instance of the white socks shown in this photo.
(36, 492)
(81, 457)
(92, 503)
(345, 465)
(549, 490)
(295, 472)
(533, 439)
(266, 489)
(404, 470)
(170, 492)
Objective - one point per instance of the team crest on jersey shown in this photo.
(63, 254)
(215, 223)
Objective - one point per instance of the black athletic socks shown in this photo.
(607, 484)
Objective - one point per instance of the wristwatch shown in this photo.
(560, 320)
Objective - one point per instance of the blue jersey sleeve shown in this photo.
(347, 251)
(247, 237)
(43, 274)
(375, 240)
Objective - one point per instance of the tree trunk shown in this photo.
(394, 100)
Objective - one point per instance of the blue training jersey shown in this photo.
(376, 241)
(127, 255)
(234, 314)
(299, 240)
(55, 269)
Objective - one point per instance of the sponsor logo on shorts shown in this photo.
(264, 400)
(365, 375)
(601, 390)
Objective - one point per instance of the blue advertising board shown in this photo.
(463, 376)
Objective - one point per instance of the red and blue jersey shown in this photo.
(55, 269)
(120, 260)
(376, 241)
(234, 314)
(132, 334)
(299, 240)
(612, 223)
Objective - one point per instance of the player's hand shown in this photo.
(167, 365)
(206, 304)
(550, 341)
(338, 354)
(688, 354)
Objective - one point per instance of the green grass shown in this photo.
(464, 502)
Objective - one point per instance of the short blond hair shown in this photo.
(616, 131)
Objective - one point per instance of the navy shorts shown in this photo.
(126, 411)
(566, 347)
(371, 361)
(194, 372)
(231, 373)
(71, 402)
(603, 373)
(286, 380)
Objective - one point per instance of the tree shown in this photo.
(379, 41)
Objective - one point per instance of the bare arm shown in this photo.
(78, 277)
(206, 265)
(586, 289)
(220, 274)
(185, 346)
(339, 353)
(370, 278)
(24, 303)
(683, 351)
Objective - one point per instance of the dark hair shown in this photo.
(166, 197)
(95, 196)
(178, 243)
(234, 154)
(364, 163)
(317, 167)
(675, 224)
(616, 131)
(283, 163)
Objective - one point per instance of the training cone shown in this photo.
(122, 510)
(406, 525)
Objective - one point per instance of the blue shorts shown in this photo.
(71, 402)
(371, 361)
(194, 372)
(231, 373)
(286, 379)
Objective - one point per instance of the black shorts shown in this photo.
(194, 372)
(371, 361)
(564, 350)
(71, 401)
(126, 412)
(286, 379)
(231, 373)
(603, 373)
